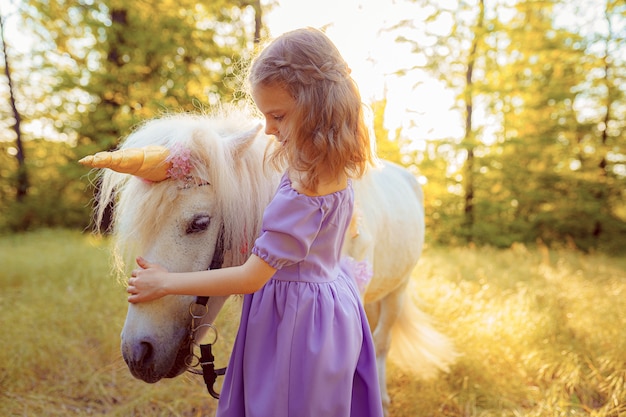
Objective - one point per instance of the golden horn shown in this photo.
(149, 162)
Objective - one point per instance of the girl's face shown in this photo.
(277, 105)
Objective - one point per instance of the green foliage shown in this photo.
(57, 194)
(122, 63)
(540, 333)
(543, 152)
(103, 67)
(542, 156)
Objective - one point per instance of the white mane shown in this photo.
(220, 156)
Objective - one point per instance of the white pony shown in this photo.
(221, 195)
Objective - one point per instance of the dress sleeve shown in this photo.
(290, 224)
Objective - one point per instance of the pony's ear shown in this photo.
(242, 141)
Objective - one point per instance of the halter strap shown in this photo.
(209, 373)
(216, 262)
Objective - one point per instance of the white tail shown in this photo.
(416, 345)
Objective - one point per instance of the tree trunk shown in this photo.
(258, 17)
(469, 139)
(22, 174)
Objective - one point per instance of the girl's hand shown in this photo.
(146, 282)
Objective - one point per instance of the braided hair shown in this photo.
(329, 135)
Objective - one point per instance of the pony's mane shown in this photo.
(240, 180)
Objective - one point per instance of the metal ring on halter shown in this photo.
(192, 306)
(210, 326)
(193, 361)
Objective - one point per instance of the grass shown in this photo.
(541, 333)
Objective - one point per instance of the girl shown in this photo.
(303, 347)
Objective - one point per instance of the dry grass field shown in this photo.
(541, 333)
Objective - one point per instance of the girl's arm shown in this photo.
(152, 281)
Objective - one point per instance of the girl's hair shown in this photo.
(328, 134)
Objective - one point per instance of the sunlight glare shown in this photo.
(416, 103)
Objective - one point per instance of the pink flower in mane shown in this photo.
(361, 271)
(180, 161)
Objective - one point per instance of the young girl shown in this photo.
(303, 347)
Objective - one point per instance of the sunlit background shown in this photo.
(546, 89)
(366, 32)
(361, 29)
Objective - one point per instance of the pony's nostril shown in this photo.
(141, 360)
(145, 353)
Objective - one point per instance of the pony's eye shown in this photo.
(200, 223)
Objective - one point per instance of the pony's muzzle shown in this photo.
(139, 358)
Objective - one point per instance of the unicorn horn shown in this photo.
(149, 162)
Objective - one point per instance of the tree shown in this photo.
(101, 67)
(22, 173)
(530, 145)
(601, 108)
(121, 63)
(469, 140)
(451, 41)
(385, 148)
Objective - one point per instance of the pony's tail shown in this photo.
(417, 346)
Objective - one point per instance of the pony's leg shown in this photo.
(383, 316)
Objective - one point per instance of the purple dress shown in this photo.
(304, 347)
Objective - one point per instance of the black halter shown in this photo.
(209, 373)
(216, 262)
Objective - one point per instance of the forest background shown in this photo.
(542, 105)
